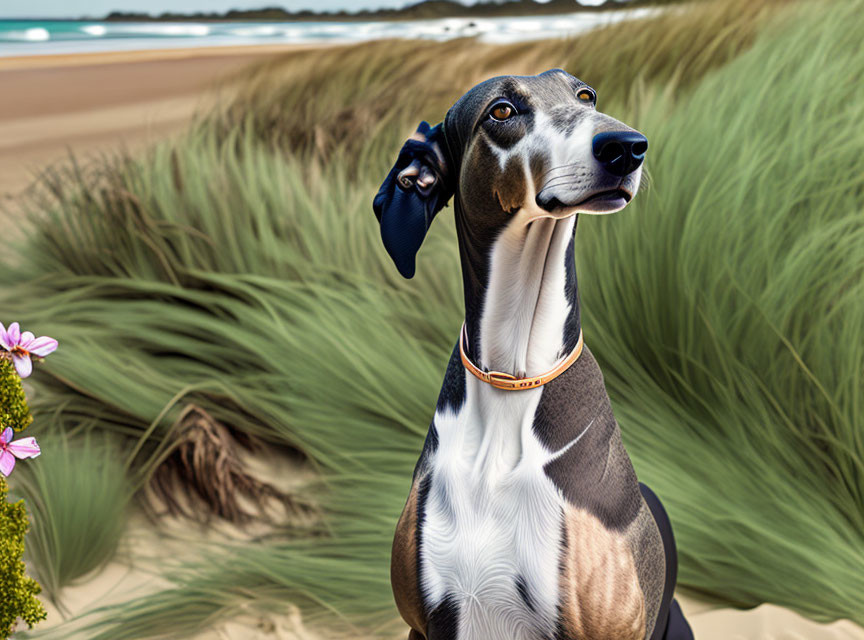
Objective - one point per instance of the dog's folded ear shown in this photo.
(417, 187)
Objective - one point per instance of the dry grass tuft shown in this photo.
(205, 476)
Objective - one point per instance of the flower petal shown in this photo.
(13, 335)
(4, 341)
(42, 346)
(24, 448)
(23, 365)
(7, 463)
(7, 434)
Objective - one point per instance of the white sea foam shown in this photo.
(263, 31)
(96, 30)
(526, 26)
(38, 34)
(165, 30)
(33, 34)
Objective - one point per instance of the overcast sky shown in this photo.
(75, 8)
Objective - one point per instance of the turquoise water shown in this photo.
(35, 37)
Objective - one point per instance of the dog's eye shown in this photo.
(586, 96)
(503, 111)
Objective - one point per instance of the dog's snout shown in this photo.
(620, 152)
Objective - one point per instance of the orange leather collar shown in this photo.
(509, 382)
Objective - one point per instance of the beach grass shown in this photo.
(358, 101)
(77, 497)
(240, 271)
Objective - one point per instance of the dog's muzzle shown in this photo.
(610, 185)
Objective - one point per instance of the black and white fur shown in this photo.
(525, 520)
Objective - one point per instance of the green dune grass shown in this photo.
(77, 497)
(725, 306)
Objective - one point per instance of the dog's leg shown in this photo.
(444, 621)
(677, 628)
(671, 624)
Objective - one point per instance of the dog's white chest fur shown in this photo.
(492, 519)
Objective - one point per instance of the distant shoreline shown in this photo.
(428, 10)
(424, 10)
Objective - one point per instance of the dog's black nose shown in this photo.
(620, 152)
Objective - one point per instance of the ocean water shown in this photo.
(35, 37)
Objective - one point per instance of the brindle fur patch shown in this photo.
(510, 186)
(403, 566)
(600, 594)
(606, 483)
(538, 165)
(484, 171)
(650, 560)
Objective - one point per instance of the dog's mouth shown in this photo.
(606, 201)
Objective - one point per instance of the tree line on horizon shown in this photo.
(426, 9)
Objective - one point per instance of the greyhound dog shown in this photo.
(525, 520)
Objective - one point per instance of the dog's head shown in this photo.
(511, 150)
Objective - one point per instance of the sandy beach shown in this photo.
(93, 103)
(56, 105)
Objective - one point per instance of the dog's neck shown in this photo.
(521, 298)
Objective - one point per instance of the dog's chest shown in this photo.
(491, 539)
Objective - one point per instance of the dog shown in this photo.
(525, 519)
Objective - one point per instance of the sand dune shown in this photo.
(131, 574)
(766, 622)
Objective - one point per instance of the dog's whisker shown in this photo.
(558, 168)
(557, 180)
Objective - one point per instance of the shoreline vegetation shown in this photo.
(225, 290)
(427, 10)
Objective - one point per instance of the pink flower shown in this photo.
(23, 448)
(23, 345)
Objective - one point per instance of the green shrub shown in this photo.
(17, 590)
(14, 411)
